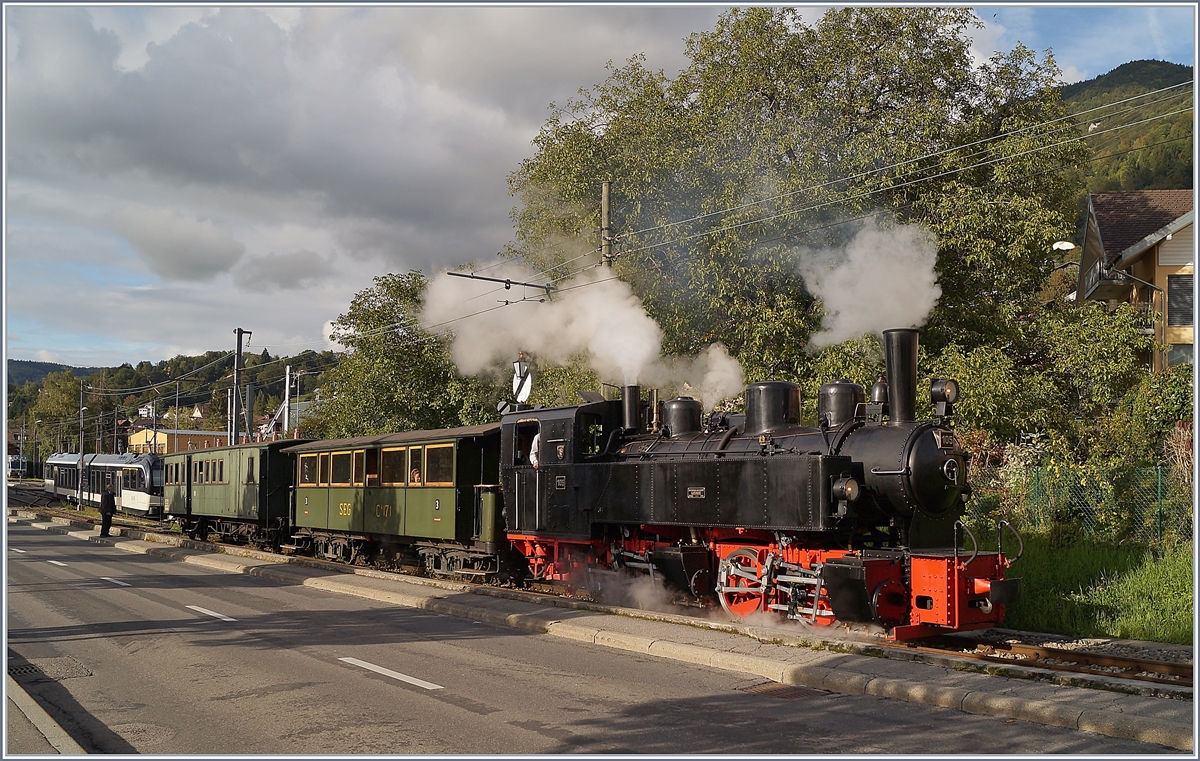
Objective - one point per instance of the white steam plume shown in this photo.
(884, 278)
(590, 314)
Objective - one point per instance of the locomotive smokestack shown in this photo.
(631, 398)
(900, 352)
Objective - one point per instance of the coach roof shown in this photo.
(388, 439)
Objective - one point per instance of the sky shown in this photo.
(174, 173)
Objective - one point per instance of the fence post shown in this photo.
(1037, 507)
(1158, 473)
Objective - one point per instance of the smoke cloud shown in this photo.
(884, 278)
(591, 315)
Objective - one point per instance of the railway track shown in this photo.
(1073, 660)
(1079, 659)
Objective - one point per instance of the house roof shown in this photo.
(1130, 216)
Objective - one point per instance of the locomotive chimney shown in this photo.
(900, 353)
(631, 408)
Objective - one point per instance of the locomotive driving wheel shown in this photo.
(739, 583)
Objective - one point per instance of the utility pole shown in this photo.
(605, 229)
(175, 444)
(116, 421)
(287, 400)
(237, 382)
(249, 412)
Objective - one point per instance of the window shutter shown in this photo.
(1179, 301)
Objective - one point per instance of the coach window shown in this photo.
(221, 470)
(308, 470)
(415, 471)
(323, 478)
(360, 466)
(250, 469)
(439, 465)
(391, 466)
(341, 464)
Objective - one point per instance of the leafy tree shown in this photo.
(395, 376)
(870, 109)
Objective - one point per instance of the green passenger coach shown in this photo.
(423, 497)
(240, 493)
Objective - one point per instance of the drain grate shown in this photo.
(782, 691)
(23, 670)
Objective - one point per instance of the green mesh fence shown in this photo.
(1149, 505)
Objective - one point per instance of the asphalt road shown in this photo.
(144, 655)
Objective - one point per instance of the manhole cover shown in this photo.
(23, 670)
(64, 667)
(782, 691)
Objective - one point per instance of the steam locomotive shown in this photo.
(854, 520)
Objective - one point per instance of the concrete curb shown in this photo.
(54, 734)
(1108, 723)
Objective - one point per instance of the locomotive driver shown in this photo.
(533, 449)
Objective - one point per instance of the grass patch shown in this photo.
(1089, 588)
(1153, 601)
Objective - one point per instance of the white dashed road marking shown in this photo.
(392, 674)
(14, 549)
(208, 612)
(55, 562)
(106, 578)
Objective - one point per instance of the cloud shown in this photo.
(176, 246)
(282, 271)
(176, 157)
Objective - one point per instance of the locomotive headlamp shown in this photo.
(943, 390)
(846, 489)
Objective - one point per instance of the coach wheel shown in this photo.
(739, 586)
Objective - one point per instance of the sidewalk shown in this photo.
(31, 731)
(787, 654)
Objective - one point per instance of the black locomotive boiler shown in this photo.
(854, 520)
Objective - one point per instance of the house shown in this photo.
(1138, 247)
(167, 440)
(199, 414)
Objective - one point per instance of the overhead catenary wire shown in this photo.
(935, 154)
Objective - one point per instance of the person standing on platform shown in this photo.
(108, 508)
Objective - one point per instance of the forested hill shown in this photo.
(1153, 154)
(22, 371)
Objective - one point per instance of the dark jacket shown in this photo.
(108, 503)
